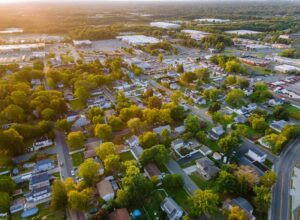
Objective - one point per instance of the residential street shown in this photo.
(280, 207)
(63, 154)
(188, 182)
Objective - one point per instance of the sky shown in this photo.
(22, 1)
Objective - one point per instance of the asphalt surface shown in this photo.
(63, 154)
(189, 184)
(280, 207)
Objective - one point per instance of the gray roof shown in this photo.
(243, 203)
(43, 162)
(158, 130)
(208, 166)
(38, 178)
(170, 207)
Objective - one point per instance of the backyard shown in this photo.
(77, 158)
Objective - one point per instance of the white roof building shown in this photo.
(138, 39)
(285, 68)
(165, 25)
(196, 35)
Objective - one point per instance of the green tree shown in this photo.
(135, 124)
(135, 191)
(148, 139)
(154, 102)
(165, 138)
(80, 201)
(103, 131)
(192, 124)
(13, 113)
(89, 171)
(7, 184)
(214, 107)
(48, 114)
(11, 142)
(115, 123)
(112, 163)
(226, 182)
(173, 182)
(235, 97)
(160, 57)
(105, 149)
(236, 213)
(75, 140)
(5, 201)
(280, 113)
(59, 197)
(157, 154)
(63, 125)
(202, 137)
(177, 113)
(82, 94)
(262, 198)
(204, 202)
(268, 179)
(179, 68)
(229, 143)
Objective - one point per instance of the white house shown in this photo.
(278, 125)
(39, 194)
(42, 143)
(44, 165)
(171, 208)
(257, 155)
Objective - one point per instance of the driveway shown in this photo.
(174, 167)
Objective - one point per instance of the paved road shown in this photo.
(173, 167)
(25, 157)
(63, 154)
(280, 207)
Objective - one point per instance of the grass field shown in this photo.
(202, 183)
(126, 156)
(77, 159)
(151, 206)
(76, 105)
(44, 210)
(293, 111)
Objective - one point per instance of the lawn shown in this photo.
(293, 111)
(76, 105)
(181, 197)
(44, 210)
(77, 159)
(126, 156)
(202, 183)
(151, 206)
(213, 145)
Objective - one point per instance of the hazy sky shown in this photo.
(17, 1)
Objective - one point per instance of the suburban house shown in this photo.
(158, 130)
(39, 180)
(105, 190)
(38, 194)
(243, 204)
(42, 142)
(205, 150)
(275, 102)
(207, 168)
(44, 165)
(119, 214)
(17, 205)
(240, 119)
(278, 125)
(257, 155)
(151, 170)
(133, 141)
(179, 129)
(216, 132)
(171, 208)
